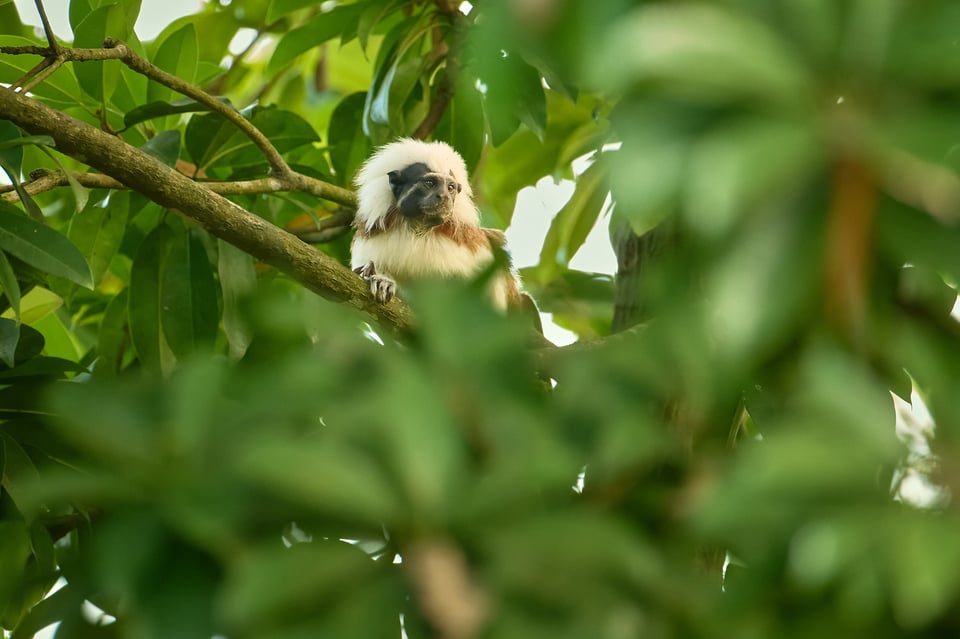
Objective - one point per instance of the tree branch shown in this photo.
(117, 50)
(221, 217)
(48, 180)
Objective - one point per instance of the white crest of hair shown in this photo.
(373, 185)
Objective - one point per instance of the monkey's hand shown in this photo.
(383, 287)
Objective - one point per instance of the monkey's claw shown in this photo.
(383, 287)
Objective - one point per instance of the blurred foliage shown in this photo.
(197, 447)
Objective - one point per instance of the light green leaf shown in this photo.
(178, 55)
(571, 225)
(60, 89)
(238, 278)
(320, 28)
(704, 53)
(733, 169)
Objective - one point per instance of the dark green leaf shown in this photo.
(11, 155)
(165, 147)
(188, 298)
(113, 337)
(145, 305)
(58, 606)
(460, 126)
(162, 108)
(25, 198)
(349, 147)
(14, 552)
(10, 285)
(9, 337)
(42, 247)
(514, 95)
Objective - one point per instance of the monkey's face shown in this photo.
(423, 197)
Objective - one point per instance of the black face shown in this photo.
(423, 194)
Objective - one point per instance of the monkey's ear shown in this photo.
(395, 177)
(459, 188)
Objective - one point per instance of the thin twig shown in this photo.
(448, 83)
(278, 166)
(47, 29)
(52, 179)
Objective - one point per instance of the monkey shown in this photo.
(416, 218)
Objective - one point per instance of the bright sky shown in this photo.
(536, 206)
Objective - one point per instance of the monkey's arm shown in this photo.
(382, 286)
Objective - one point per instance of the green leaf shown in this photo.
(11, 159)
(703, 53)
(238, 279)
(25, 198)
(99, 78)
(459, 125)
(29, 344)
(42, 247)
(319, 29)
(8, 281)
(145, 305)
(9, 337)
(178, 55)
(163, 108)
(14, 553)
(340, 482)
(112, 337)
(385, 105)
(514, 95)
(188, 297)
(215, 143)
(268, 584)
(11, 151)
(98, 231)
(571, 225)
(743, 164)
(59, 90)
(80, 193)
(280, 8)
(349, 147)
(10, 22)
(58, 606)
(165, 147)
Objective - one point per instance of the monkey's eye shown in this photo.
(429, 183)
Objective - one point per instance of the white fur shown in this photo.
(373, 185)
(401, 253)
(406, 255)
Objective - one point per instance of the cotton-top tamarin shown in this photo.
(416, 218)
